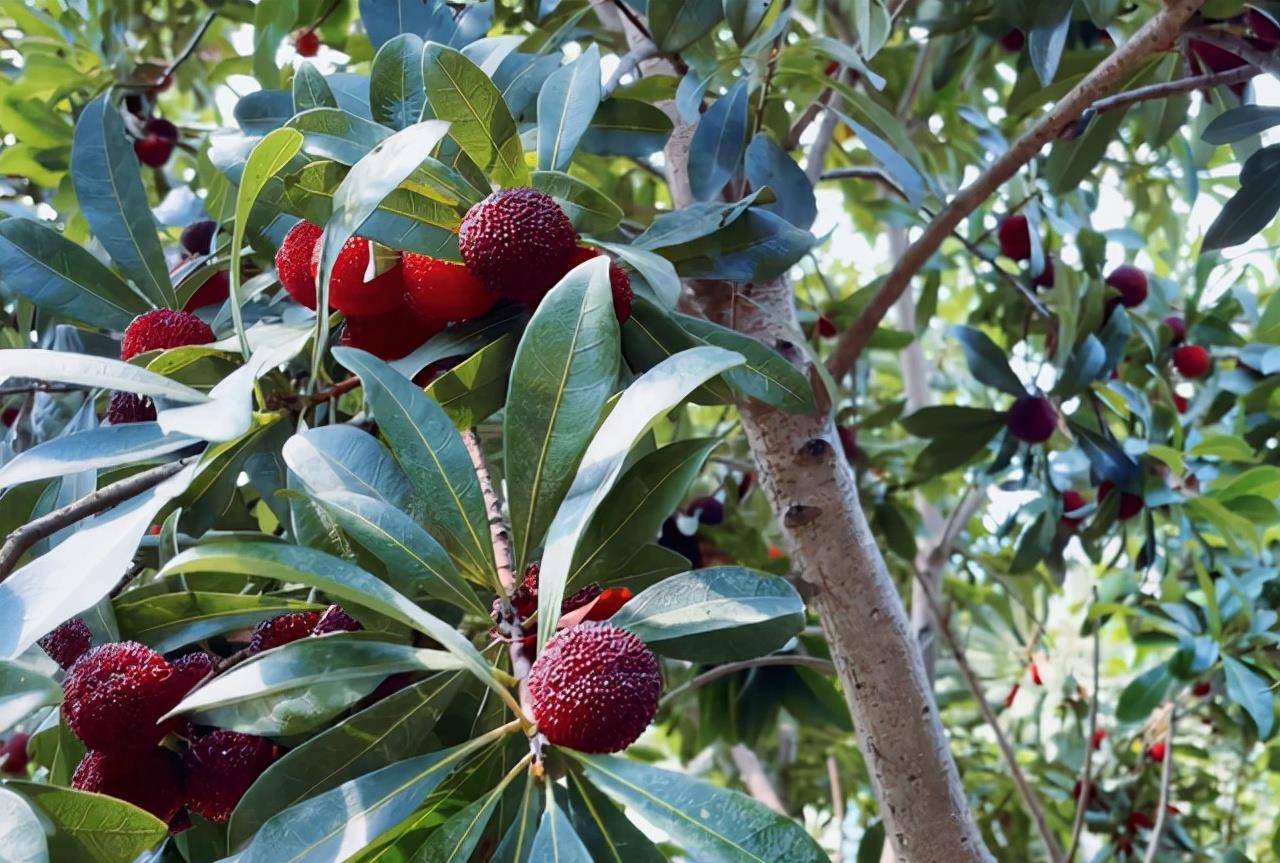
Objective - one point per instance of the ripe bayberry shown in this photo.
(130, 408)
(619, 281)
(444, 291)
(163, 329)
(349, 293)
(115, 694)
(1046, 277)
(1072, 501)
(282, 629)
(293, 262)
(1192, 361)
(13, 755)
(1032, 419)
(1014, 234)
(150, 779)
(197, 237)
(307, 43)
(221, 765)
(517, 241)
(1131, 283)
(389, 336)
(67, 643)
(1130, 504)
(1013, 41)
(1178, 327)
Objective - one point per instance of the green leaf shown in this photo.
(172, 620)
(299, 686)
(345, 458)
(606, 831)
(633, 513)
(565, 370)
(1251, 691)
(397, 727)
(768, 165)
(656, 271)
(63, 279)
(939, 421)
(93, 449)
(744, 17)
(515, 844)
(476, 388)
(987, 362)
(310, 90)
(481, 123)
(590, 210)
(677, 24)
(22, 692)
(1071, 161)
(755, 248)
(337, 578)
(1253, 207)
(385, 19)
(948, 452)
(271, 23)
(90, 828)
(1045, 44)
(711, 825)
(719, 614)
(329, 133)
(719, 142)
(1236, 124)
(397, 93)
(465, 338)
(428, 448)
(417, 565)
(652, 335)
(765, 376)
(566, 104)
(109, 190)
(456, 840)
(627, 127)
(556, 841)
(642, 404)
(1143, 694)
(21, 835)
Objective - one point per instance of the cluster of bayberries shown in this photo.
(156, 330)
(516, 244)
(115, 694)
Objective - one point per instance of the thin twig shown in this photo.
(1157, 34)
(1166, 779)
(91, 504)
(1176, 87)
(191, 45)
(1086, 775)
(300, 401)
(630, 63)
(826, 666)
(632, 17)
(1265, 60)
(757, 783)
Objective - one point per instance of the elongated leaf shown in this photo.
(386, 19)
(606, 831)
(711, 824)
(1251, 691)
(456, 840)
(656, 271)
(340, 580)
(744, 17)
(1239, 123)
(344, 458)
(60, 277)
(90, 828)
(1253, 207)
(396, 89)
(21, 835)
(987, 362)
(476, 388)
(757, 247)
(556, 840)
(564, 372)
(462, 339)
(428, 448)
(642, 404)
(310, 90)
(1143, 694)
(677, 24)
(719, 143)
(566, 104)
(416, 564)
(769, 165)
(93, 449)
(330, 133)
(22, 692)
(1045, 44)
(91, 371)
(627, 127)
(109, 190)
(588, 209)
(391, 730)
(481, 123)
(765, 376)
(172, 620)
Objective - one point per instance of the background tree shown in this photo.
(871, 360)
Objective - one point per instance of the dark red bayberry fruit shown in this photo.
(193, 669)
(826, 329)
(221, 765)
(595, 688)
(1180, 403)
(1178, 327)
(213, 292)
(517, 241)
(307, 43)
(162, 329)
(1263, 26)
(115, 694)
(444, 291)
(349, 293)
(1140, 821)
(1071, 502)
(197, 237)
(1099, 735)
(389, 336)
(293, 262)
(619, 281)
(1201, 688)
(1014, 235)
(130, 408)
(1032, 419)
(157, 142)
(13, 755)
(1131, 283)
(67, 643)
(150, 779)
(707, 509)
(1130, 504)
(1046, 277)
(1192, 361)
(1217, 60)
(1013, 41)
(282, 629)
(335, 619)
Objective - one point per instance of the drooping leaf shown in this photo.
(93, 449)
(987, 362)
(769, 165)
(21, 835)
(606, 831)
(566, 104)
(1253, 207)
(627, 127)
(755, 248)
(765, 376)
(1236, 124)
(588, 209)
(719, 142)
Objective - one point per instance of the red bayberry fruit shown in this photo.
(162, 329)
(1013, 41)
(1156, 751)
(336, 619)
(1140, 821)
(1099, 735)
(1072, 501)
(193, 669)
(68, 642)
(595, 688)
(130, 408)
(1014, 235)
(1032, 419)
(826, 329)
(848, 442)
(8, 417)
(1013, 694)
(444, 291)
(1035, 675)
(13, 755)
(197, 237)
(619, 281)
(390, 336)
(293, 262)
(150, 779)
(221, 765)
(517, 241)
(349, 293)
(1131, 283)
(282, 629)
(707, 509)
(1130, 504)
(152, 150)
(774, 552)
(1180, 403)
(1202, 688)
(1046, 277)
(1192, 361)
(307, 43)
(1178, 327)
(115, 694)
(213, 292)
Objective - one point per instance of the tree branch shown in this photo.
(1156, 35)
(1165, 89)
(1266, 61)
(751, 771)
(1086, 776)
(1166, 779)
(91, 504)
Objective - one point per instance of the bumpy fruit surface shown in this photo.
(335, 619)
(67, 643)
(390, 336)
(293, 262)
(1130, 504)
(595, 688)
(192, 669)
(1192, 361)
(282, 629)
(517, 241)
(115, 694)
(13, 754)
(1014, 235)
(1131, 283)
(130, 408)
(444, 291)
(162, 329)
(197, 237)
(349, 293)
(221, 765)
(1032, 419)
(619, 281)
(150, 780)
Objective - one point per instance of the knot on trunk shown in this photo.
(799, 514)
(815, 450)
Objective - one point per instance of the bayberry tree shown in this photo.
(629, 431)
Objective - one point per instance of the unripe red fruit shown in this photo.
(1046, 277)
(130, 408)
(1014, 235)
(1013, 41)
(197, 237)
(1099, 735)
(443, 290)
(282, 629)
(307, 43)
(67, 642)
(1032, 419)
(1156, 751)
(826, 329)
(221, 765)
(1192, 361)
(1178, 327)
(13, 755)
(115, 694)
(595, 688)
(1202, 688)
(1130, 504)
(214, 291)
(1071, 501)
(619, 281)
(163, 329)
(349, 293)
(1131, 283)
(774, 552)
(293, 262)
(517, 241)
(150, 779)
(390, 336)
